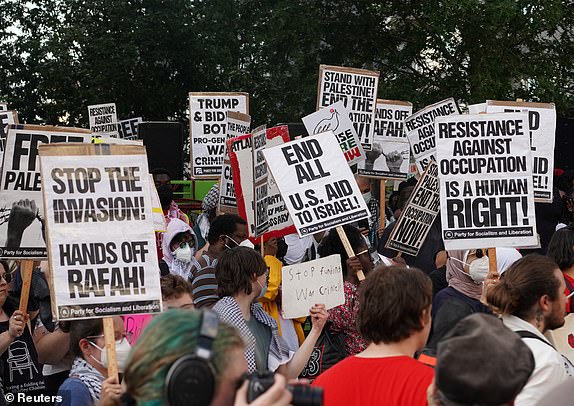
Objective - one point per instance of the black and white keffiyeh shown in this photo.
(89, 377)
(229, 312)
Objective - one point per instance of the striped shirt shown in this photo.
(203, 282)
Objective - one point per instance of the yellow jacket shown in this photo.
(269, 300)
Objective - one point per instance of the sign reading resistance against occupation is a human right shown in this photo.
(485, 173)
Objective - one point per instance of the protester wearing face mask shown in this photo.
(88, 383)
(242, 280)
(179, 245)
(225, 232)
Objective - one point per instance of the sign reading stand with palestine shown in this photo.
(542, 121)
(103, 120)
(357, 88)
(485, 173)
(390, 156)
(419, 214)
(316, 183)
(420, 131)
(100, 231)
(21, 204)
(208, 130)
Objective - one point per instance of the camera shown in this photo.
(303, 395)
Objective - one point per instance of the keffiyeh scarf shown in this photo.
(89, 377)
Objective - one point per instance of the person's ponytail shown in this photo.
(503, 298)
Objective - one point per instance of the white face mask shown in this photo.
(367, 196)
(245, 243)
(183, 254)
(478, 269)
(123, 348)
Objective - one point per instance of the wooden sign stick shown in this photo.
(110, 337)
(262, 247)
(26, 268)
(348, 249)
(492, 272)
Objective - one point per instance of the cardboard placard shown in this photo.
(260, 181)
(316, 183)
(335, 118)
(417, 217)
(485, 173)
(420, 131)
(391, 155)
(21, 204)
(208, 130)
(6, 118)
(237, 124)
(357, 88)
(100, 232)
(542, 121)
(103, 119)
(128, 129)
(304, 285)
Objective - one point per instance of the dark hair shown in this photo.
(522, 286)
(165, 194)
(391, 303)
(561, 247)
(235, 268)
(160, 171)
(174, 286)
(80, 329)
(4, 263)
(404, 196)
(331, 244)
(223, 225)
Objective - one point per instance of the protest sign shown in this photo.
(418, 215)
(563, 337)
(103, 119)
(128, 129)
(390, 155)
(208, 129)
(316, 183)
(420, 131)
(159, 223)
(6, 118)
(260, 178)
(21, 206)
(542, 121)
(304, 285)
(335, 118)
(134, 324)
(357, 88)
(100, 231)
(241, 158)
(477, 108)
(3, 106)
(237, 124)
(485, 173)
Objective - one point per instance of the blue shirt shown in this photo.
(73, 392)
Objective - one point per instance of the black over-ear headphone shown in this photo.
(190, 381)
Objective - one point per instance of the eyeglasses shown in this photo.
(7, 277)
(127, 335)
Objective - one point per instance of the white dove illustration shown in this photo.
(331, 123)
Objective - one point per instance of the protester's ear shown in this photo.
(85, 347)
(426, 316)
(545, 304)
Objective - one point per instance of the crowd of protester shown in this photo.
(441, 328)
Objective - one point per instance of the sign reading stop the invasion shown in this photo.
(101, 239)
(419, 214)
(357, 88)
(390, 156)
(316, 183)
(542, 121)
(103, 119)
(485, 172)
(208, 125)
(237, 124)
(420, 131)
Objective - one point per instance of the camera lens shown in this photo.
(305, 395)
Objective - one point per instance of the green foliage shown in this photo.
(58, 56)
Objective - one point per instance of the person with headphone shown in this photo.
(190, 358)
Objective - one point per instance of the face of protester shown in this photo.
(365, 258)
(231, 378)
(555, 317)
(3, 285)
(180, 239)
(184, 301)
(238, 236)
(161, 179)
(92, 354)
(259, 283)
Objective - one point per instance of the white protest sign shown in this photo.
(241, 158)
(485, 173)
(237, 124)
(260, 180)
(357, 88)
(101, 239)
(563, 337)
(128, 129)
(159, 223)
(208, 129)
(103, 119)
(420, 131)
(542, 121)
(316, 183)
(390, 156)
(21, 204)
(477, 108)
(3, 106)
(6, 118)
(417, 217)
(304, 285)
(335, 118)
